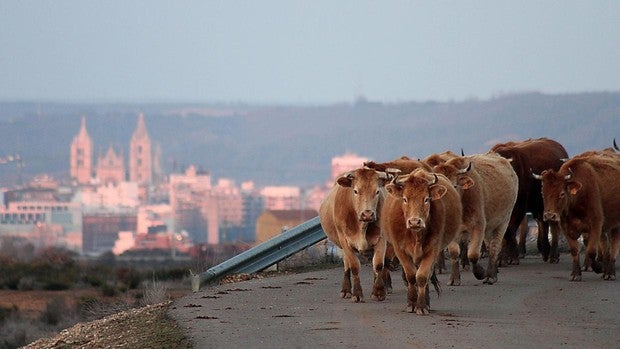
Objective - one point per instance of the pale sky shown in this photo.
(305, 52)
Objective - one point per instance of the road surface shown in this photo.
(533, 305)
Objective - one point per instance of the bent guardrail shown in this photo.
(268, 253)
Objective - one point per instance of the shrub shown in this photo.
(54, 311)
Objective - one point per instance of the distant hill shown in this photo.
(280, 145)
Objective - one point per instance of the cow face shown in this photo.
(366, 187)
(416, 192)
(556, 192)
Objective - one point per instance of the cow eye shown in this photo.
(405, 200)
(355, 191)
(427, 199)
(562, 195)
(377, 193)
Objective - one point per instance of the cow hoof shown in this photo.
(478, 272)
(575, 278)
(489, 281)
(409, 309)
(378, 298)
(609, 277)
(422, 311)
(454, 283)
(345, 294)
(357, 299)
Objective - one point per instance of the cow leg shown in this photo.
(495, 245)
(543, 239)
(523, 229)
(574, 252)
(455, 274)
(614, 247)
(346, 281)
(463, 246)
(554, 253)
(510, 249)
(409, 275)
(357, 296)
(473, 252)
(441, 263)
(592, 248)
(422, 305)
(378, 258)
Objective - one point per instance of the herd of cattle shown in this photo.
(409, 211)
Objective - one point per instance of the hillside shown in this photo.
(279, 145)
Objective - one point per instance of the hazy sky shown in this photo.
(305, 51)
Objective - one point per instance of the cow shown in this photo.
(536, 154)
(583, 197)
(402, 165)
(438, 158)
(349, 215)
(420, 217)
(487, 185)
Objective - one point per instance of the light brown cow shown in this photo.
(583, 196)
(439, 158)
(404, 164)
(349, 216)
(488, 188)
(420, 217)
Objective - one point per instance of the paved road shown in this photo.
(533, 305)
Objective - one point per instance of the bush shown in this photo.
(54, 311)
(108, 290)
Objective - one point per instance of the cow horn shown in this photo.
(534, 175)
(464, 170)
(435, 179)
(616, 145)
(564, 159)
(570, 174)
(462, 152)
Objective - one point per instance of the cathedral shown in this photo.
(110, 167)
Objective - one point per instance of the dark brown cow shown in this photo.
(583, 196)
(349, 216)
(420, 217)
(488, 188)
(531, 155)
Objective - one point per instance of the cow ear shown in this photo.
(573, 187)
(345, 180)
(465, 182)
(394, 189)
(437, 191)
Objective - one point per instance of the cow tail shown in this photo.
(435, 283)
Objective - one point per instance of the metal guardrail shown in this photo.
(268, 253)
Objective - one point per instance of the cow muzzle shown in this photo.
(368, 216)
(551, 217)
(415, 224)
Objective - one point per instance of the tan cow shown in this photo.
(349, 216)
(404, 164)
(439, 158)
(583, 196)
(420, 217)
(488, 188)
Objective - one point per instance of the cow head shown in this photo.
(456, 170)
(417, 190)
(366, 187)
(557, 189)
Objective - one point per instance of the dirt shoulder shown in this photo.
(533, 304)
(146, 327)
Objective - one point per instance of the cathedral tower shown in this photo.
(82, 155)
(140, 155)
